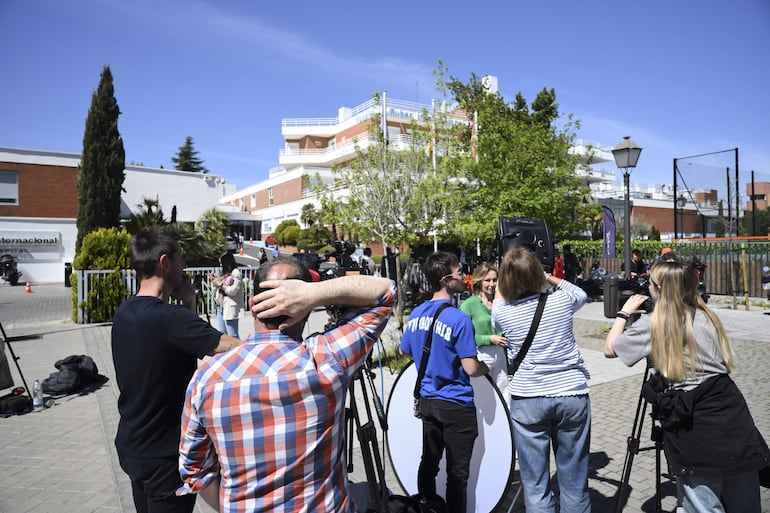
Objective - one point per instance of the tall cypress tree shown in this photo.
(102, 164)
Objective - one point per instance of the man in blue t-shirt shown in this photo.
(446, 405)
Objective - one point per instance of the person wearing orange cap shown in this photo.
(668, 255)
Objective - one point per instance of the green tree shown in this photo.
(289, 236)
(308, 216)
(186, 158)
(287, 232)
(394, 196)
(313, 237)
(102, 166)
(758, 218)
(523, 166)
(150, 214)
(102, 249)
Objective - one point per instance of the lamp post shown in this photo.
(626, 156)
(681, 201)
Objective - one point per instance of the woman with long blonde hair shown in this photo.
(711, 443)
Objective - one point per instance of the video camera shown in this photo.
(531, 234)
(344, 263)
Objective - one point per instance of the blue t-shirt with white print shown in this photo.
(453, 339)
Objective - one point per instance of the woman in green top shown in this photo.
(490, 344)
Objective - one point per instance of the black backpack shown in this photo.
(75, 372)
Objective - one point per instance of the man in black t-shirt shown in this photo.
(155, 350)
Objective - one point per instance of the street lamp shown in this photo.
(626, 155)
(681, 201)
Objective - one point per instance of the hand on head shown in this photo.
(290, 298)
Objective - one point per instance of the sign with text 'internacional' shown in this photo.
(31, 245)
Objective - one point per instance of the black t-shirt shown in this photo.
(155, 350)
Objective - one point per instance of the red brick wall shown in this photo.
(44, 191)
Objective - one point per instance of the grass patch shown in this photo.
(396, 362)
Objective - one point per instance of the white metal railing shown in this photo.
(88, 281)
(396, 109)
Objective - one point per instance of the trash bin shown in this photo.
(625, 291)
(67, 273)
(611, 284)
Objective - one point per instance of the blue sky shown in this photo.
(680, 77)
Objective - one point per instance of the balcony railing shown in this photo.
(396, 109)
(363, 140)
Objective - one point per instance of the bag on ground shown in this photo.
(75, 372)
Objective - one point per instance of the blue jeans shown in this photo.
(230, 327)
(736, 493)
(565, 423)
(449, 426)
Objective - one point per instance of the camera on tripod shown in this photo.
(344, 263)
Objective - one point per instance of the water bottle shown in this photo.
(37, 396)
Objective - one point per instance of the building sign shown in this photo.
(30, 245)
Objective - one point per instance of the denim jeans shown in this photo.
(736, 493)
(229, 327)
(452, 427)
(565, 423)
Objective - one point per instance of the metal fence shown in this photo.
(88, 282)
(732, 268)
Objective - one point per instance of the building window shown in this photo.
(9, 188)
(270, 197)
(254, 200)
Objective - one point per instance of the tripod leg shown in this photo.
(15, 359)
(632, 449)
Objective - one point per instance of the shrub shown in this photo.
(103, 249)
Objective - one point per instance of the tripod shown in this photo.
(633, 449)
(7, 342)
(367, 438)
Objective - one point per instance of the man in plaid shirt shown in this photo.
(267, 419)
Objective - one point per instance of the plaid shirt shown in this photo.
(269, 417)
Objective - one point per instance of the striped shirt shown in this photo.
(269, 417)
(553, 365)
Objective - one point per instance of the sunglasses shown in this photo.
(457, 274)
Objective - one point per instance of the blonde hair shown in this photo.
(521, 275)
(672, 330)
(479, 273)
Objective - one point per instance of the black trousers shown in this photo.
(154, 483)
(446, 425)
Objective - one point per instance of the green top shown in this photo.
(482, 319)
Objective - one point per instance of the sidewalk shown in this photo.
(63, 459)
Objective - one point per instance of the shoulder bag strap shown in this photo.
(426, 350)
(513, 367)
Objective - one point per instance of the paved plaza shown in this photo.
(63, 459)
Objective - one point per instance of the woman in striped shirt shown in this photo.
(549, 392)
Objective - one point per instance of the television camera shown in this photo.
(343, 262)
(531, 234)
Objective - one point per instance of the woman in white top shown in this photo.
(229, 295)
(549, 391)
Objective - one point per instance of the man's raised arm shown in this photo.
(296, 298)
